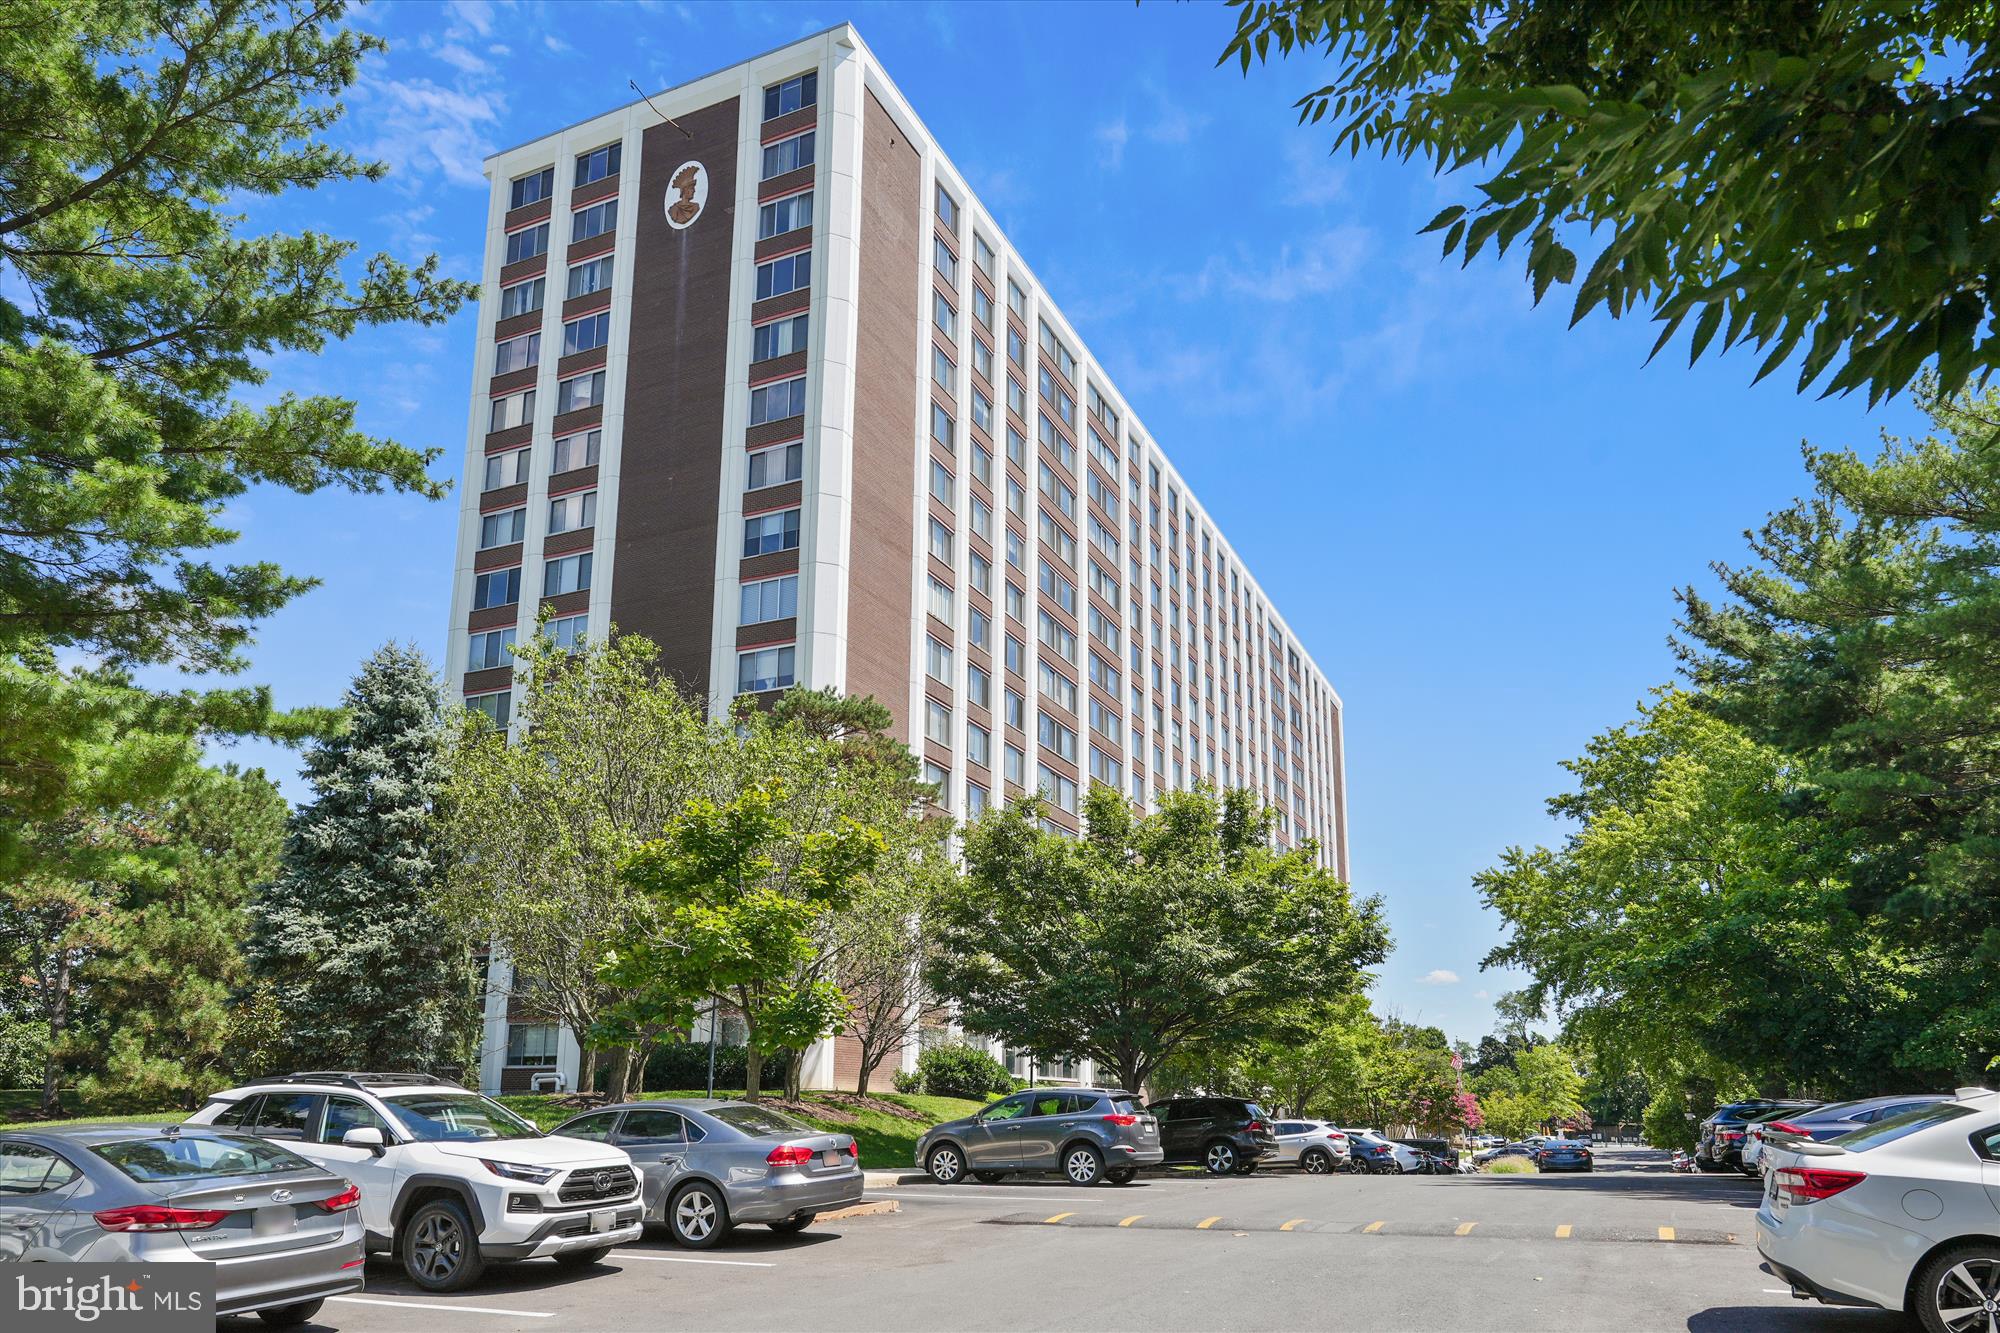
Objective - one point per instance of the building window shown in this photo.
(598, 163)
(940, 599)
(1055, 737)
(944, 261)
(770, 599)
(788, 154)
(792, 94)
(778, 464)
(1017, 403)
(947, 209)
(982, 254)
(1060, 689)
(982, 573)
(1016, 548)
(941, 427)
(527, 242)
(531, 188)
(1104, 768)
(503, 528)
(587, 334)
(941, 483)
(982, 304)
(776, 402)
(498, 587)
(944, 315)
(498, 706)
(1058, 490)
(593, 221)
(975, 800)
(1065, 363)
(1059, 637)
(982, 360)
(943, 370)
(575, 451)
(517, 353)
(783, 215)
(1014, 658)
(1017, 300)
(1054, 535)
(765, 533)
(937, 661)
(568, 632)
(982, 518)
(786, 274)
(978, 745)
(982, 410)
(941, 543)
(1057, 788)
(780, 337)
(765, 669)
(488, 649)
(508, 469)
(569, 512)
(511, 410)
(1015, 764)
(569, 573)
(978, 685)
(593, 275)
(523, 298)
(1058, 588)
(937, 722)
(573, 395)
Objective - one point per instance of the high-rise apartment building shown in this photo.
(760, 379)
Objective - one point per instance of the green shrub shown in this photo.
(681, 1065)
(961, 1071)
(1511, 1166)
(908, 1081)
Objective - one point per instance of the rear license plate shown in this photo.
(604, 1219)
(831, 1157)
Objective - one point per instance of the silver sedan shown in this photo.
(282, 1233)
(706, 1166)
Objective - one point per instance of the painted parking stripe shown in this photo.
(1057, 1218)
(1562, 1232)
(1666, 1233)
(1374, 1226)
(1130, 1220)
(1289, 1225)
(1465, 1228)
(1207, 1222)
(443, 1309)
(689, 1259)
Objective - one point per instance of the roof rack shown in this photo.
(348, 1078)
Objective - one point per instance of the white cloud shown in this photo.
(555, 43)
(425, 126)
(474, 14)
(1313, 266)
(1114, 136)
(1481, 994)
(1438, 976)
(463, 60)
(1315, 177)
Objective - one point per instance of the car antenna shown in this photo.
(656, 111)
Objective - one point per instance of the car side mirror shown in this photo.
(364, 1137)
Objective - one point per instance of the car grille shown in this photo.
(594, 1183)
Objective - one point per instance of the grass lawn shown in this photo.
(885, 1124)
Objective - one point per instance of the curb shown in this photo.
(888, 1180)
(867, 1208)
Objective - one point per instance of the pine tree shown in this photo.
(364, 972)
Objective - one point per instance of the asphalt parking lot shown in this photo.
(1631, 1246)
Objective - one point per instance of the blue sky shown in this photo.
(1473, 515)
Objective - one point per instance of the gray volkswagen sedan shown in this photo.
(706, 1166)
(282, 1233)
(1088, 1134)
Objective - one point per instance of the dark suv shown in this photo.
(1721, 1145)
(1088, 1134)
(1225, 1134)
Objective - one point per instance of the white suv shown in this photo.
(450, 1180)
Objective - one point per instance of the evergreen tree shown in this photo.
(365, 973)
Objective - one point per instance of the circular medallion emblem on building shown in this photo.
(687, 194)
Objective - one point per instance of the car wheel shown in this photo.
(583, 1258)
(1246, 1168)
(1316, 1162)
(697, 1216)
(1123, 1176)
(1955, 1292)
(1083, 1164)
(990, 1177)
(290, 1316)
(945, 1164)
(1703, 1164)
(440, 1248)
(1219, 1158)
(792, 1224)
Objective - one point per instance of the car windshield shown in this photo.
(436, 1117)
(1900, 1126)
(189, 1158)
(759, 1120)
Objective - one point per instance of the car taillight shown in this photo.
(1808, 1184)
(1729, 1135)
(341, 1202)
(1785, 1127)
(1121, 1119)
(792, 1154)
(1254, 1127)
(854, 1150)
(159, 1217)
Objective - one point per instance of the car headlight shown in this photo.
(534, 1175)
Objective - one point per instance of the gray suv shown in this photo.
(1088, 1134)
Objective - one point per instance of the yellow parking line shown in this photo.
(1666, 1233)
(1465, 1228)
(1206, 1223)
(1130, 1220)
(1562, 1232)
(1374, 1226)
(1051, 1221)
(1289, 1225)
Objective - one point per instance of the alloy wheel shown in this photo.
(1081, 1166)
(694, 1215)
(1221, 1158)
(1967, 1296)
(1317, 1163)
(439, 1247)
(945, 1165)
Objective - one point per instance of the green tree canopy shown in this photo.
(1148, 935)
(1816, 176)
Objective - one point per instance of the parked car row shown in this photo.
(287, 1184)
(1735, 1136)
(1547, 1154)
